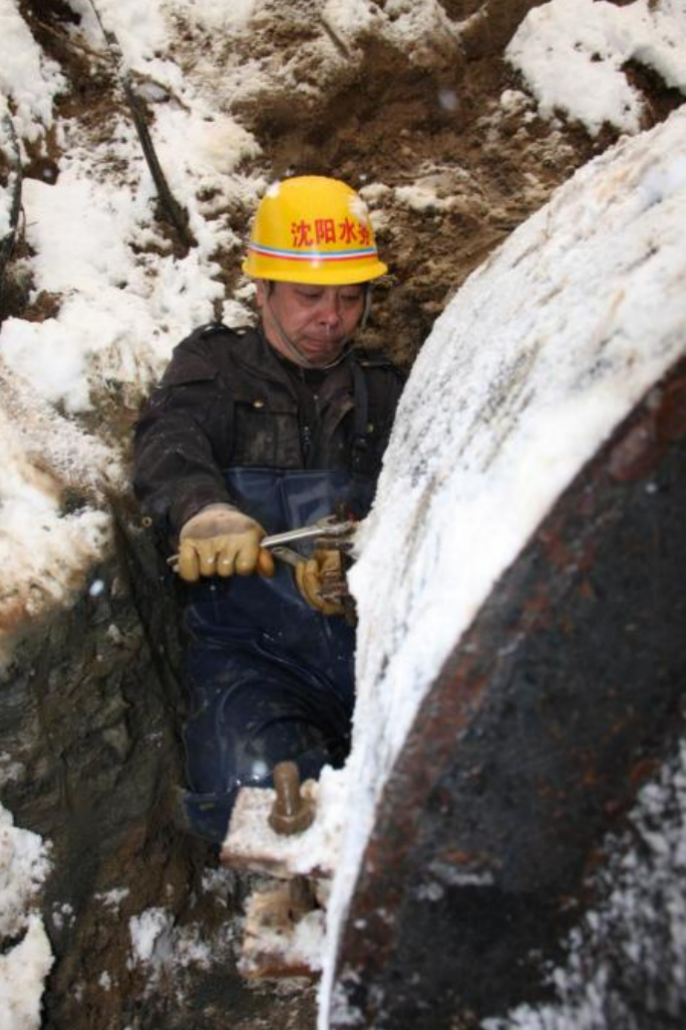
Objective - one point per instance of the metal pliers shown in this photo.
(325, 532)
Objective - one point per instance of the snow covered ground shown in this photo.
(125, 298)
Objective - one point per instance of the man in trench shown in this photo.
(256, 432)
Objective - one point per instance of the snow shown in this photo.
(439, 191)
(41, 547)
(572, 55)
(26, 75)
(22, 972)
(24, 865)
(208, 14)
(119, 315)
(161, 947)
(350, 17)
(549, 357)
(150, 935)
(62, 915)
(421, 29)
(141, 31)
(113, 898)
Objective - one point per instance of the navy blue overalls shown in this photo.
(269, 678)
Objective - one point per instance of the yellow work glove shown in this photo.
(310, 575)
(220, 541)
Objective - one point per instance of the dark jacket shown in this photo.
(229, 400)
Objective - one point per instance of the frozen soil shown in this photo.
(447, 166)
(444, 143)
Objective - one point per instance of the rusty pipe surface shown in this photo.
(529, 748)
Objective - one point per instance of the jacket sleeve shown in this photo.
(176, 472)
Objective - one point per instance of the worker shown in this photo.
(254, 432)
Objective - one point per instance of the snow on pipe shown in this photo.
(540, 357)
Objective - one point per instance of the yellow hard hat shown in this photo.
(315, 230)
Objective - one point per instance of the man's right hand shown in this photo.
(220, 541)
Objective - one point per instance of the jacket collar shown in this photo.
(256, 356)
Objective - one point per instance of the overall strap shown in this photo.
(359, 445)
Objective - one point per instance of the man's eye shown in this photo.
(351, 298)
(309, 294)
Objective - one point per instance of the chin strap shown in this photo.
(294, 352)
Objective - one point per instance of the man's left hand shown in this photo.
(310, 575)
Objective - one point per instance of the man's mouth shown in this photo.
(329, 342)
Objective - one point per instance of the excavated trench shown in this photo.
(92, 699)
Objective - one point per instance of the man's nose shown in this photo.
(330, 310)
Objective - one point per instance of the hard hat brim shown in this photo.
(313, 270)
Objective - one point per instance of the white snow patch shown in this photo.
(420, 29)
(26, 75)
(160, 945)
(122, 312)
(151, 933)
(142, 31)
(351, 17)
(572, 52)
(43, 552)
(208, 14)
(61, 915)
(201, 147)
(24, 864)
(22, 976)
(112, 899)
(122, 297)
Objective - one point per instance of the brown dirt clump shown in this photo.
(446, 169)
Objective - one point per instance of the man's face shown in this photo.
(317, 320)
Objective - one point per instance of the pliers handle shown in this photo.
(330, 527)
